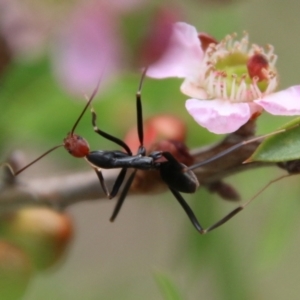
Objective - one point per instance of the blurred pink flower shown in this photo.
(85, 38)
(229, 81)
(89, 46)
(157, 38)
(24, 30)
(93, 43)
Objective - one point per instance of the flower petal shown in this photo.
(192, 89)
(286, 102)
(183, 55)
(219, 116)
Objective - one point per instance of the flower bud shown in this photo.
(42, 233)
(159, 127)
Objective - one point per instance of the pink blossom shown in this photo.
(86, 38)
(230, 82)
(88, 47)
(24, 31)
(94, 42)
(157, 38)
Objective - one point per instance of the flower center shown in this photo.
(236, 72)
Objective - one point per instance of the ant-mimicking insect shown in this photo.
(178, 177)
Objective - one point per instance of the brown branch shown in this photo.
(57, 192)
(60, 192)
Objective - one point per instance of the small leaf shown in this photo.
(280, 147)
(167, 287)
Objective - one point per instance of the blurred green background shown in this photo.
(152, 251)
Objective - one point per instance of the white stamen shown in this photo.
(256, 91)
(224, 85)
(270, 49)
(232, 94)
(241, 89)
(218, 86)
(272, 85)
(210, 83)
(273, 60)
(236, 87)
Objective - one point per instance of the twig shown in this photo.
(60, 192)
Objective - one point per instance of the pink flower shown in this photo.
(86, 39)
(230, 81)
(25, 31)
(88, 47)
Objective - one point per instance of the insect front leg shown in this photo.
(111, 194)
(108, 136)
(122, 196)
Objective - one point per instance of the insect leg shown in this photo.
(231, 214)
(188, 211)
(139, 110)
(233, 148)
(122, 197)
(108, 136)
(141, 150)
(9, 167)
(111, 194)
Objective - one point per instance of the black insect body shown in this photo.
(177, 176)
(119, 159)
(172, 172)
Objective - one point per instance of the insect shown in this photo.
(178, 177)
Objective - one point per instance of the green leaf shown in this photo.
(280, 147)
(167, 287)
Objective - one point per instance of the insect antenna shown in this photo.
(241, 207)
(37, 159)
(234, 147)
(268, 184)
(90, 99)
(7, 165)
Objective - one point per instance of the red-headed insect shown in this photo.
(178, 177)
